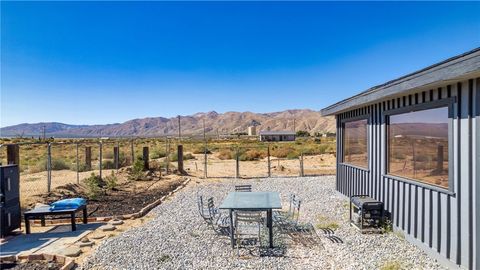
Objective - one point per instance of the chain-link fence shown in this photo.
(46, 166)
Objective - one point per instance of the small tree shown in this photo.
(303, 133)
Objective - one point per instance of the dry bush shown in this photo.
(252, 154)
(226, 154)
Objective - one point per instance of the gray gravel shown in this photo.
(177, 238)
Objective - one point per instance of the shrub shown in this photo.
(111, 181)
(56, 165)
(158, 154)
(201, 150)
(293, 155)
(391, 265)
(137, 170)
(252, 154)
(303, 133)
(281, 152)
(82, 167)
(94, 186)
(226, 154)
(174, 156)
(108, 164)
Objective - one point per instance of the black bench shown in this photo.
(41, 212)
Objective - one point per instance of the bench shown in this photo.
(41, 212)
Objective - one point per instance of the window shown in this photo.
(418, 146)
(355, 143)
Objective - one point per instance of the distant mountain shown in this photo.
(221, 123)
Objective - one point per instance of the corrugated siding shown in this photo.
(447, 222)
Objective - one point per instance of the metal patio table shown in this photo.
(252, 201)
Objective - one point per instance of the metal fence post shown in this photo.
(268, 161)
(49, 167)
(301, 165)
(100, 158)
(205, 161)
(132, 152)
(237, 164)
(78, 168)
(167, 154)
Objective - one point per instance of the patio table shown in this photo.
(252, 201)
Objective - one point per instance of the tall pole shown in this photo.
(205, 150)
(44, 132)
(179, 130)
(294, 127)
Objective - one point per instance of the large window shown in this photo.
(418, 146)
(355, 143)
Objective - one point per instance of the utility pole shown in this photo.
(179, 130)
(294, 128)
(44, 132)
(205, 150)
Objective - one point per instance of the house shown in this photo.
(277, 136)
(414, 143)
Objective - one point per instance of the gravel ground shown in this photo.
(178, 238)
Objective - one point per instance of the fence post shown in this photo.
(116, 156)
(205, 161)
(88, 157)
(132, 153)
(167, 155)
(78, 168)
(237, 164)
(100, 158)
(180, 158)
(301, 165)
(13, 154)
(49, 167)
(268, 161)
(146, 165)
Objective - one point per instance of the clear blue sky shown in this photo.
(105, 62)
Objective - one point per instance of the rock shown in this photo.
(98, 236)
(71, 251)
(107, 228)
(116, 222)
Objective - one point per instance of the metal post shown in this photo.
(167, 154)
(205, 151)
(301, 165)
(146, 156)
(179, 130)
(180, 159)
(268, 161)
(49, 167)
(100, 158)
(78, 168)
(116, 156)
(132, 152)
(237, 164)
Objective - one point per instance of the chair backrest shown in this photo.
(248, 216)
(296, 203)
(211, 207)
(243, 188)
(290, 206)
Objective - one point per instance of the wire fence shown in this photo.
(45, 166)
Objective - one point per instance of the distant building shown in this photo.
(252, 130)
(277, 136)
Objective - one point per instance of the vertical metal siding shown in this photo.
(444, 221)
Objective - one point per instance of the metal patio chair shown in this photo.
(202, 208)
(219, 223)
(283, 215)
(248, 226)
(289, 219)
(243, 188)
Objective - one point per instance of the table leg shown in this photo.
(232, 239)
(85, 220)
(42, 221)
(270, 227)
(72, 220)
(27, 224)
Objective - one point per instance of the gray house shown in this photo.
(277, 136)
(414, 143)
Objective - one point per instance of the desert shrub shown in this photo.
(293, 155)
(422, 158)
(158, 154)
(82, 167)
(174, 156)
(188, 156)
(398, 155)
(56, 165)
(303, 133)
(107, 155)
(111, 181)
(94, 186)
(226, 154)
(391, 265)
(137, 170)
(282, 152)
(201, 150)
(108, 164)
(252, 154)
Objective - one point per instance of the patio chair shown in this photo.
(247, 228)
(291, 217)
(202, 208)
(219, 223)
(282, 215)
(243, 188)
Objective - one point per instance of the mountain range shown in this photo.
(215, 123)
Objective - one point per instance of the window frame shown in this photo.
(353, 119)
(435, 104)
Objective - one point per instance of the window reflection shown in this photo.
(355, 143)
(418, 146)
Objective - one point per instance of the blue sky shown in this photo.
(106, 62)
